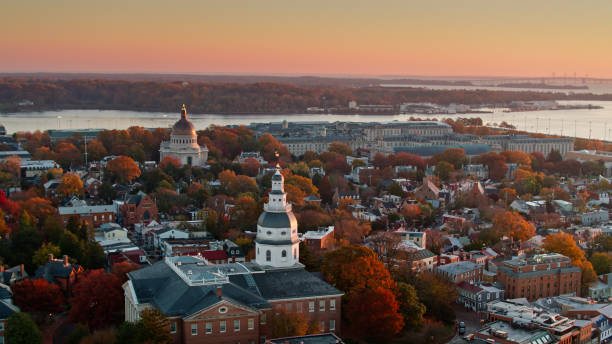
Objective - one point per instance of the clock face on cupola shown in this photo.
(277, 242)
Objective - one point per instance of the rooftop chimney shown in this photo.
(50, 255)
(66, 263)
(219, 291)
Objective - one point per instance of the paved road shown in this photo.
(471, 320)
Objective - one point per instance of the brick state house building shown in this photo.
(542, 275)
(235, 302)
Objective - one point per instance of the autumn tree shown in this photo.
(123, 169)
(517, 157)
(97, 300)
(251, 167)
(374, 314)
(340, 148)
(71, 185)
(245, 213)
(507, 195)
(38, 296)
(564, 244)
(496, 164)
(155, 327)
(288, 325)
(350, 229)
(354, 268)
(122, 269)
(453, 156)
(21, 329)
(513, 225)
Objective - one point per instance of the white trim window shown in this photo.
(194, 329)
(251, 323)
(173, 327)
(321, 305)
(236, 325)
(209, 327)
(332, 304)
(222, 326)
(311, 306)
(332, 325)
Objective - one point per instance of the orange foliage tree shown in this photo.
(71, 185)
(123, 168)
(513, 225)
(564, 244)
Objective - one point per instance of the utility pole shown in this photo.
(86, 151)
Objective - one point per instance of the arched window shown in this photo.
(268, 256)
(284, 254)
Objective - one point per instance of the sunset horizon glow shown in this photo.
(340, 38)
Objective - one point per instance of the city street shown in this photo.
(471, 320)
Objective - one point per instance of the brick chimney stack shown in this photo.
(50, 255)
(66, 263)
(219, 291)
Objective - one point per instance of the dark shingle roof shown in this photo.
(6, 310)
(55, 269)
(291, 283)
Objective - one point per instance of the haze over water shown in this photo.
(596, 123)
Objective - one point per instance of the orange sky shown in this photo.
(384, 37)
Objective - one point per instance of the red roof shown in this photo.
(469, 287)
(212, 255)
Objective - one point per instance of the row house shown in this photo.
(94, 215)
(460, 271)
(475, 296)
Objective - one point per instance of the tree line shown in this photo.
(228, 98)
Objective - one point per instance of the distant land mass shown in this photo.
(232, 94)
(541, 86)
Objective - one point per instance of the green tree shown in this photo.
(70, 245)
(41, 256)
(409, 305)
(443, 170)
(155, 326)
(93, 256)
(601, 262)
(21, 329)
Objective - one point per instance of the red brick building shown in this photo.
(320, 240)
(543, 275)
(93, 215)
(228, 303)
(139, 208)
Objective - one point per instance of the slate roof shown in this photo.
(6, 310)
(55, 269)
(325, 338)
(247, 285)
(290, 283)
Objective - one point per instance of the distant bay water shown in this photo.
(595, 123)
